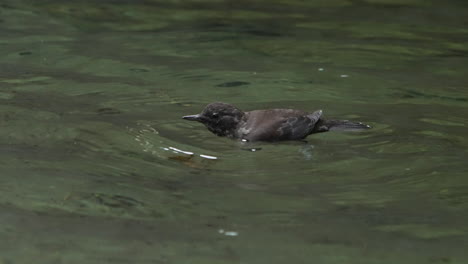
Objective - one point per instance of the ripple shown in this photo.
(150, 140)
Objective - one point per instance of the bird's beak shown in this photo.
(192, 117)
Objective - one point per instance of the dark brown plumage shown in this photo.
(267, 125)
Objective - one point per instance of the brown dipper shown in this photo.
(267, 125)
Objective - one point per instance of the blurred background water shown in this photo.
(97, 165)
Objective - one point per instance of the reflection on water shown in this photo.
(97, 165)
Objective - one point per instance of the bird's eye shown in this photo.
(215, 115)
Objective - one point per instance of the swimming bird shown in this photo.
(226, 120)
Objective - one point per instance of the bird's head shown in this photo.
(220, 118)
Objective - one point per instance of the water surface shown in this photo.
(97, 165)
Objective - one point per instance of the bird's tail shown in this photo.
(344, 125)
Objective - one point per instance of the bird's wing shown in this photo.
(279, 124)
(299, 127)
(315, 117)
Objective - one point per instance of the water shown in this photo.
(97, 165)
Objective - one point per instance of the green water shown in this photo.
(94, 165)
